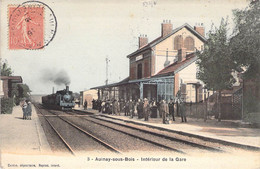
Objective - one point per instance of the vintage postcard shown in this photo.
(129, 84)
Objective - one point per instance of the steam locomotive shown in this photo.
(61, 100)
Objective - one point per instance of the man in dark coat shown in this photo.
(93, 104)
(127, 108)
(107, 107)
(183, 112)
(158, 106)
(171, 109)
(85, 105)
(131, 108)
(139, 108)
(99, 107)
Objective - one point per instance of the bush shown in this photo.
(7, 105)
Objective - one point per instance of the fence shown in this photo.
(209, 109)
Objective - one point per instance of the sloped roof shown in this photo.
(159, 39)
(177, 66)
(124, 81)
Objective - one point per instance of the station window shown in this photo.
(178, 42)
(189, 43)
(139, 71)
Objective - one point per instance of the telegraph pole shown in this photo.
(107, 60)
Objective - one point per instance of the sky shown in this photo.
(88, 31)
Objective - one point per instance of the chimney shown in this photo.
(143, 40)
(67, 89)
(166, 27)
(181, 54)
(200, 29)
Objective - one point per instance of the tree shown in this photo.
(245, 51)
(20, 91)
(5, 70)
(215, 64)
(245, 43)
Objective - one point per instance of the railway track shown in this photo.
(69, 147)
(140, 133)
(174, 142)
(215, 145)
(132, 135)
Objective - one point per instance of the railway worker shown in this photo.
(85, 105)
(139, 108)
(146, 109)
(171, 109)
(29, 110)
(183, 112)
(164, 111)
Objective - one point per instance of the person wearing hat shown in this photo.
(139, 107)
(183, 112)
(164, 110)
(146, 109)
(171, 109)
(127, 108)
(131, 108)
(115, 107)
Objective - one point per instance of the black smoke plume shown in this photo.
(59, 78)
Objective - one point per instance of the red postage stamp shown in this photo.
(26, 27)
(32, 25)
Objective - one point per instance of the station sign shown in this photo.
(139, 57)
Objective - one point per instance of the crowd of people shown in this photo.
(142, 108)
(27, 109)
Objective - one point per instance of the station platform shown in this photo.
(229, 131)
(24, 137)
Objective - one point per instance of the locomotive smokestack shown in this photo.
(67, 89)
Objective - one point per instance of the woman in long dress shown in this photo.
(29, 110)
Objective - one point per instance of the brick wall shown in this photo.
(133, 71)
(146, 65)
(147, 70)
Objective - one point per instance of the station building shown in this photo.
(163, 68)
(88, 95)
